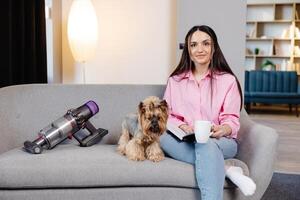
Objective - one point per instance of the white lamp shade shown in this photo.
(82, 30)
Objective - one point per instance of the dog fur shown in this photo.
(141, 131)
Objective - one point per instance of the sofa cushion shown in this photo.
(71, 166)
(271, 81)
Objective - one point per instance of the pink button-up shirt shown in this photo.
(190, 100)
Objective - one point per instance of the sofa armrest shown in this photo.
(258, 149)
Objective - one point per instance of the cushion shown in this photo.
(71, 166)
(271, 81)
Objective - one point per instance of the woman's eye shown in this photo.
(193, 45)
(207, 44)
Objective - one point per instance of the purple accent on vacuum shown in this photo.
(92, 106)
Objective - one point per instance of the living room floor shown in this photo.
(288, 128)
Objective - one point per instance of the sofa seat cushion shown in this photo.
(274, 94)
(71, 166)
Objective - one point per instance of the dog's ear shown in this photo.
(141, 108)
(164, 105)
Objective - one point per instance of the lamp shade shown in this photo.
(82, 30)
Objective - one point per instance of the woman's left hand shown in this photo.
(221, 131)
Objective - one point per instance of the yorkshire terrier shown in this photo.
(141, 131)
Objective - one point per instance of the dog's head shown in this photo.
(153, 116)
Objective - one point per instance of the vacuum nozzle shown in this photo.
(32, 147)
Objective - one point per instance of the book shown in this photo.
(179, 133)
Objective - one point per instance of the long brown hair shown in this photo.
(218, 62)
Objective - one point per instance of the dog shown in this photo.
(141, 131)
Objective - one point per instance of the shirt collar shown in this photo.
(189, 75)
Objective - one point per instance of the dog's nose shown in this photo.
(154, 119)
(154, 123)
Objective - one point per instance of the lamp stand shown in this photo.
(83, 72)
(80, 72)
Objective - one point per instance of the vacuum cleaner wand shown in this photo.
(66, 127)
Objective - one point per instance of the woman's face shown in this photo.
(200, 48)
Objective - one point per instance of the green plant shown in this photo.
(268, 65)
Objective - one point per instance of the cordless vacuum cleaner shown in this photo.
(66, 127)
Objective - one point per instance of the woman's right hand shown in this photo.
(186, 128)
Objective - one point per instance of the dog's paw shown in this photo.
(154, 152)
(136, 157)
(156, 157)
(134, 151)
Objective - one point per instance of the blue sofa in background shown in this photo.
(271, 87)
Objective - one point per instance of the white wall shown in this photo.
(138, 39)
(137, 43)
(227, 18)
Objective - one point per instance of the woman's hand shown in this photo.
(221, 131)
(186, 128)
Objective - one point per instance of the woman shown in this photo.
(203, 87)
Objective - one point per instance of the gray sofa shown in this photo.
(98, 172)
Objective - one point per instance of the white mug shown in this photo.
(202, 130)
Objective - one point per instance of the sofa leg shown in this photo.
(290, 107)
(297, 113)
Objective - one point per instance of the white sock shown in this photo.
(245, 183)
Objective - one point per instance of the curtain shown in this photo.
(23, 35)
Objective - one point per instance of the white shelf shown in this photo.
(272, 31)
(272, 21)
(266, 39)
(267, 56)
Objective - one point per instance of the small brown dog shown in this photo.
(140, 132)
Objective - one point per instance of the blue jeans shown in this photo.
(208, 159)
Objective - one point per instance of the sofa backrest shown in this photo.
(271, 81)
(26, 109)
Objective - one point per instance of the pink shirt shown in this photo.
(189, 101)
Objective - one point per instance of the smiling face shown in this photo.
(200, 48)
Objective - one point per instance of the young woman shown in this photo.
(203, 87)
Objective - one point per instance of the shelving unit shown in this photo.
(273, 35)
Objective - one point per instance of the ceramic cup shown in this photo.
(202, 130)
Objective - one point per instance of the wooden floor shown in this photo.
(288, 128)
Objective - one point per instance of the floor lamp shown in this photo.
(82, 32)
